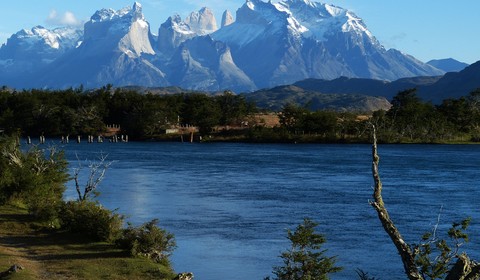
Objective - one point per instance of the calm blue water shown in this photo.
(229, 205)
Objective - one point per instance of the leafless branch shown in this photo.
(403, 248)
(97, 170)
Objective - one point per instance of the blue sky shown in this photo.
(426, 29)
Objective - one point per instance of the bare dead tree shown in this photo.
(96, 174)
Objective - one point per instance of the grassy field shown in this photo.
(49, 254)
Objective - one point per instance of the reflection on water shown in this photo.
(229, 205)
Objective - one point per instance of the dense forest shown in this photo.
(229, 117)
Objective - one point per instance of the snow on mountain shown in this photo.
(29, 50)
(39, 40)
(323, 20)
(125, 29)
(117, 48)
(268, 44)
(280, 43)
(256, 20)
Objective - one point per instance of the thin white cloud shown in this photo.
(65, 19)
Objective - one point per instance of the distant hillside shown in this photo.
(453, 85)
(158, 90)
(356, 94)
(368, 87)
(274, 99)
(448, 64)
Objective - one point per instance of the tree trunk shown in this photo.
(464, 269)
(403, 248)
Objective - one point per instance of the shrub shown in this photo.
(92, 220)
(305, 259)
(35, 178)
(148, 240)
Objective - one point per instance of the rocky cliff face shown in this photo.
(268, 44)
(227, 18)
(116, 49)
(202, 22)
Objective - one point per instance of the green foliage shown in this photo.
(412, 120)
(202, 111)
(434, 256)
(299, 120)
(233, 108)
(35, 178)
(148, 240)
(305, 260)
(78, 112)
(91, 219)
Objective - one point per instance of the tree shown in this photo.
(411, 117)
(320, 122)
(96, 174)
(233, 108)
(305, 260)
(417, 260)
(201, 110)
(35, 177)
(292, 117)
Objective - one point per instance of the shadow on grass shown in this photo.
(50, 245)
(81, 256)
(25, 218)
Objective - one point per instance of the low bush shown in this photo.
(148, 240)
(35, 178)
(92, 220)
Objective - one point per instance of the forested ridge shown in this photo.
(56, 113)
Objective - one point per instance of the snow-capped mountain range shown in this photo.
(268, 44)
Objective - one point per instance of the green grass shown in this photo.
(50, 254)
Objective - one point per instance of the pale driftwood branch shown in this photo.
(76, 172)
(402, 247)
(97, 174)
(464, 269)
(474, 274)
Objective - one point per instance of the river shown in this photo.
(229, 205)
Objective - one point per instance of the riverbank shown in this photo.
(277, 136)
(40, 252)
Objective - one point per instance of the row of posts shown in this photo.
(90, 139)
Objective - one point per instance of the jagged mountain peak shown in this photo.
(227, 18)
(134, 13)
(323, 20)
(125, 29)
(171, 34)
(62, 37)
(202, 22)
(270, 43)
(175, 23)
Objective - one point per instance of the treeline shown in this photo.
(147, 116)
(410, 120)
(77, 112)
